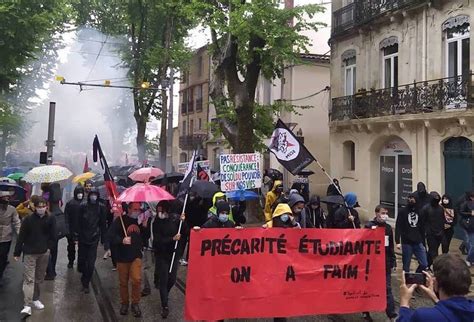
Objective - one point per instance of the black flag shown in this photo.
(185, 185)
(201, 173)
(293, 155)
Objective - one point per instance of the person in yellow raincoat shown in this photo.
(26, 208)
(270, 199)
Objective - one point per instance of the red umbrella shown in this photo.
(144, 174)
(144, 192)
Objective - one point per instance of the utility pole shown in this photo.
(169, 135)
(50, 141)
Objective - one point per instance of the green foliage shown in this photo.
(12, 123)
(251, 39)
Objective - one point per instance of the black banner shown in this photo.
(293, 155)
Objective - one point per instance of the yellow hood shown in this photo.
(281, 209)
(276, 184)
(216, 196)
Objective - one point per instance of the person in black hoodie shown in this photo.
(221, 218)
(421, 196)
(346, 216)
(71, 212)
(297, 205)
(91, 229)
(127, 235)
(37, 237)
(316, 214)
(381, 215)
(410, 235)
(450, 220)
(165, 234)
(467, 222)
(434, 221)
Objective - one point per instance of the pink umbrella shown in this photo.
(144, 192)
(144, 174)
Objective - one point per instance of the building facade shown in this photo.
(402, 98)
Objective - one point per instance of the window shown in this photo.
(457, 50)
(348, 155)
(184, 128)
(350, 76)
(183, 157)
(390, 66)
(200, 124)
(199, 66)
(198, 94)
(191, 127)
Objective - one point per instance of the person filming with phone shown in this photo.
(447, 289)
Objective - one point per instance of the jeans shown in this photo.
(433, 243)
(4, 250)
(164, 278)
(130, 272)
(53, 257)
(390, 310)
(86, 257)
(470, 248)
(408, 250)
(33, 276)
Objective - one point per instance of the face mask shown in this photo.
(93, 199)
(284, 217)
(80, 196)
(3, 201)
(223, 217)
(134, 214)
(314, 206)
(161, 215)
(383, 217)
(435, 202)
(297, 211)
(41, 211)
(445, 201)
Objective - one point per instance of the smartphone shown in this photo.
(415, 278)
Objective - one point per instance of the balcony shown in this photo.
(192, 142)
(363, 11)
(423, 97)
(199, 105)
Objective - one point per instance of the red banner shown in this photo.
(256, 272)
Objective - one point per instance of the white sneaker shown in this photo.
(468, 264)
(183, 262)
(38, 305)
(26, 310)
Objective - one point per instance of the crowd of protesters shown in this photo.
(136, 235)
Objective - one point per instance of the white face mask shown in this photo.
(384, 217)
(161, 215)
(41, 211)
(80, 196)
(93, 198)
(445, 201)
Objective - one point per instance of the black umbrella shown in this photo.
(204, 189)
(339, 200)
(172, 177)
(18, 193)
(305, 173)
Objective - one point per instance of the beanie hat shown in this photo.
(222, 206)
(350, 199)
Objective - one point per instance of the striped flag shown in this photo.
(201, 173)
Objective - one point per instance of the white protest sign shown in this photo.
(182, 167)
(240, 171)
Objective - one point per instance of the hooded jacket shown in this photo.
(92, 221)
(421, 196)
(433, 215)
(37, 235)
(410, 226)
(282, 209)
(270, 199)
(127, 253)
(316, 216)
(163, 232)
(236, 212)
(455, 309)
(71, 211)
(341, 216)
(8, 219)
(302, 218)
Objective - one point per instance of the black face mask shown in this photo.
(435, 202)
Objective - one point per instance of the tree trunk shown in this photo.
(3, 149)
(164, 121)
(141, 130)
(245, 136)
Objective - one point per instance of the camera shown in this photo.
(415, 278)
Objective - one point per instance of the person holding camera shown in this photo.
(447, 289)
(467, 222)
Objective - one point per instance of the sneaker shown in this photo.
(366, 316)
(114, 269)
(164, 312)
(38, 305)
(106, 255)
(86, 290)
(124, 309)
(26, 312)
(468, 264)
(136, 311)
(70, 264)
(183, 262)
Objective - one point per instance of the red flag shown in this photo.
(86, 166)
(202, 174)
(109, 183)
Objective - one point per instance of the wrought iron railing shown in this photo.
(193, 141)
(421, 97)
(362, 11)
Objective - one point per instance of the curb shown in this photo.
(103, 301)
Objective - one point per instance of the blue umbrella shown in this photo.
(242, 195)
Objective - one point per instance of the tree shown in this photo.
(155, 31)
(12, 127)
(250, 39)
